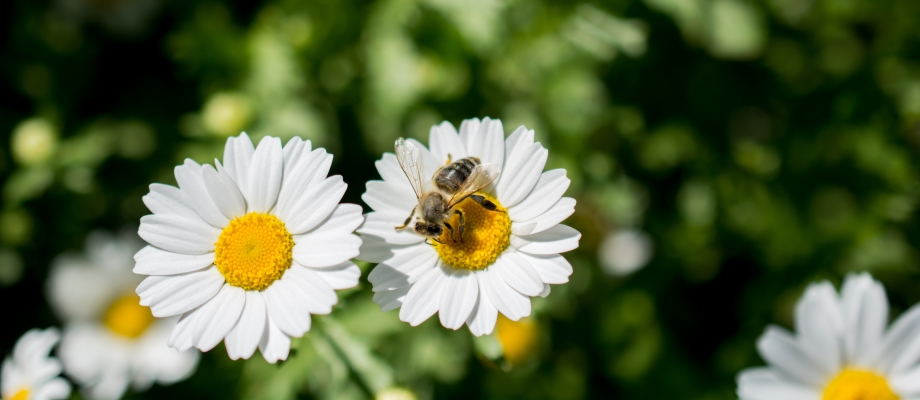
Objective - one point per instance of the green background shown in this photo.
(762, 145)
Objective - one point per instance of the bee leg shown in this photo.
(488, 205)
(462, 225)
(431, 244)
(405, 224)
(449, 158)
(450, 229)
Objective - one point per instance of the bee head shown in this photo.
(428, 229)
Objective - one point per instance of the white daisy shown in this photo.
(842, 350)
(247, 251)
(110, 340)
(505, 256)
(30, 374)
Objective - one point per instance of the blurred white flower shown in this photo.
(842, 350)
(506, 256)
(110, 340)
(248, 251)
(30, 373)
(33, 141)
(624, 252)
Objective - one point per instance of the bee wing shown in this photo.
(481, 176)
(410, 161)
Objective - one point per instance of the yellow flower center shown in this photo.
(518, 338)
(127, 317)
(253, 251)
(486, 235)
(22, 394)
(854, 384)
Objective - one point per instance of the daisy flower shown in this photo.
(110, 340)
(246, 251)
(842, 350)
(30, 374)
(505, 256)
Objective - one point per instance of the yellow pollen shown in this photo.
(253, 251)
(127, 317)
(855, 384)
(518, 338)
(486, 235)
(22, 394)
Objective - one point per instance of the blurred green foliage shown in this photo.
(761, 145)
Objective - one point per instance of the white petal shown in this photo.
(112, 385)
(155, 362)
(485, 140)
(155, 261)
(552, 217)
(57, 388)
(175, 294)
(389, 198)
(243, 339)
(238, 154)
(548, 190)
(341, 276)
(405, 267)
(766, 384)
(376, 251)
(865, 309)
(182, 334)
(299, 178)
(293, 150)
(781, 351)
(190, 177)
(518, 273)
(507, 300)
(275, 345)
(444, 141)
(265, 171)
(392, 173)
(223, 191)
(164, 199)
(458, 299)
(558, 239)
(524, 162)
(819, 325)
(424, 297)
(391, 299)
(31, 356)
(382, 227)
(79, 349)
(545, 291)
(906, 383)
(219, 315)
(79, 291)
(552, 268)
(900, 349)
(520, 137)
(325, 250)
(482, 319)
(319, 295)
(287, 308)
(178, 234)
(316, 204)
(345, 218)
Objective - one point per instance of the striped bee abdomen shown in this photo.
(451, 177)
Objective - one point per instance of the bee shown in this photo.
(452, 183)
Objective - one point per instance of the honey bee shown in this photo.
(452, 183)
